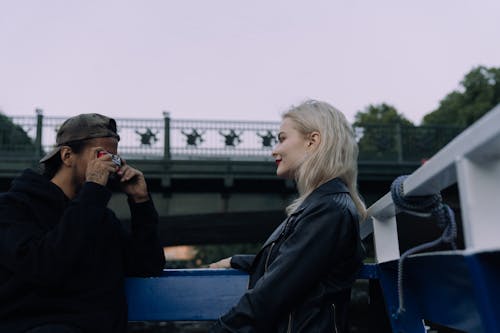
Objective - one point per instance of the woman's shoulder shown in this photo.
(331, 201)
(330, 208)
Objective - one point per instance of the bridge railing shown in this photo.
(167, 138)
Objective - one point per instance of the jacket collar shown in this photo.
(332, 186)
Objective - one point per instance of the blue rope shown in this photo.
(427, 206)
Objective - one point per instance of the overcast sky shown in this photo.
(241, 60)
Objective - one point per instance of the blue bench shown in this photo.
(193, 294)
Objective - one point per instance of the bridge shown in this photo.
(214, 181)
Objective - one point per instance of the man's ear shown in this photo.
(66, 155)
(314, 140)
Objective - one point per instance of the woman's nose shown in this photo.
(274, 153)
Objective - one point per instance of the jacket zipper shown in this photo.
(289, 330)
(268, 256)
(334, 319)
(271, 248)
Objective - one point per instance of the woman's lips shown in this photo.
(278, 162)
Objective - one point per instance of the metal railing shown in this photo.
(166, 138)
(472, 161)
(462, 279)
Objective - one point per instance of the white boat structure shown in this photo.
(457, 288)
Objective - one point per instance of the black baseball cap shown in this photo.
(83, 127)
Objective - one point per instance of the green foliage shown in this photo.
(14, 141)
(378, 128)
(207, 254)
(381, 114)
(479, 92)
(11, 133)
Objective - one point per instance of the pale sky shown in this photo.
(238, 60)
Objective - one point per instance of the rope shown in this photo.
(423, 206)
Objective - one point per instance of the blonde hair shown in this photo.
(336, 155)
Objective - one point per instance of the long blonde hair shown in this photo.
(336, 155)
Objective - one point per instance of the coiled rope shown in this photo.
(423, 206)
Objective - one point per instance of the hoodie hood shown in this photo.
(50, 201)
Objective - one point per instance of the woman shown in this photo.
(301, 278)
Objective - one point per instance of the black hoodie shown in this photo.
(64, 261)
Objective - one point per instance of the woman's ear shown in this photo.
(314, 139)
(66, 155)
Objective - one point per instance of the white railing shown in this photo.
(473, 161)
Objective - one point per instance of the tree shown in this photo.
(13, 137)
(378, 128)
(479, 92)
(381, 114)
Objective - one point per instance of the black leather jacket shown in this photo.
(301, 278)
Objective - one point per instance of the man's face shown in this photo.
(82, 159)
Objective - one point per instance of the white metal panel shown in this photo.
(386, 239)
(479, 185)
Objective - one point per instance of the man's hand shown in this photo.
(133, 183)
(99, 169)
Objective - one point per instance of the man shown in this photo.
(63, 254)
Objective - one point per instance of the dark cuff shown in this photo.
(143, 211)
(94, 193)
(242, 262)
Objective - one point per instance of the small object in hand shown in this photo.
(114, 158)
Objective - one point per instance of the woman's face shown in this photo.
(291, 149)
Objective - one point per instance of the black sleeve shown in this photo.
(305, 256)
(46, 257)
(144, 254)
(242, 262)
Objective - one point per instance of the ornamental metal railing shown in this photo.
(167, 138)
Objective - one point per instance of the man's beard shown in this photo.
(77, 183)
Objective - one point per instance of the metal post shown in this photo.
(38, 138)
(166, 140)
(399, 143)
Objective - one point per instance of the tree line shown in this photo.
(384, 133)
(478, 93)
